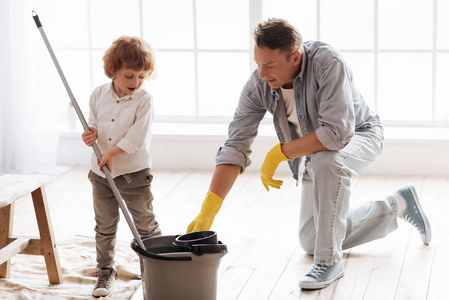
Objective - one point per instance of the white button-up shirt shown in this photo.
(123, 122)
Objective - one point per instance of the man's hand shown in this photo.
(203, 221)
(274, 157)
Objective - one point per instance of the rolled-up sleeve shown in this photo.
(335, 105)
(231, 156)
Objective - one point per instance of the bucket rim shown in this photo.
(157, 256)
(187, 240)
(200, 242)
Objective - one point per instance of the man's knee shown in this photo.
(325, 164)
(324, 160)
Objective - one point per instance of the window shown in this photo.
(398, 50)
(203, 55)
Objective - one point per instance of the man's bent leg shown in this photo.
(326, 187)
(371, 221)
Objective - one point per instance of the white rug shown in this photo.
(29, 280)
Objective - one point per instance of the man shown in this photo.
(318, 115)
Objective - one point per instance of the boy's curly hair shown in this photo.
(130, 52)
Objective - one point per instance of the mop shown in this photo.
(105, 169)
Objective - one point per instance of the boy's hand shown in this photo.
(89, 137)
(106, 159)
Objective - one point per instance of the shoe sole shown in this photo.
(427, 228)
(320, 285)
(101, 294)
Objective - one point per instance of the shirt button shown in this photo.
(118, 101)
(113, 120)
(109, 139)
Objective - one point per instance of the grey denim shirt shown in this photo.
(327, 103)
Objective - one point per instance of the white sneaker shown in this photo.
(321, 276)
(105, 283)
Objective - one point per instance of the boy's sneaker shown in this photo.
(105, 283)
(414, 214)
(321, 276)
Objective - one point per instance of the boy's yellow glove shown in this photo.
(274, 157)
(209, 209)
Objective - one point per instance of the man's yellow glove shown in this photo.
(209, 209)
(274, 157)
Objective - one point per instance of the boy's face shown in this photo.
(275, 68)
(127, 81)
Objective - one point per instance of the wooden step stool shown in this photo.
(13, 187)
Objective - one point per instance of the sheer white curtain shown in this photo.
(28, 110)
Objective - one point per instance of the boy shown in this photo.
(121, 113)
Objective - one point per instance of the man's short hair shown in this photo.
(278, 34)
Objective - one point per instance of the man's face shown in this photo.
(275, 68)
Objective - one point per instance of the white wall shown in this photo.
(406, 151)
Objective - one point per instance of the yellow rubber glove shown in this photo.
(274, 157)
(203, 221)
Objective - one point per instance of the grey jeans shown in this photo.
(327, 226)
(135, 191)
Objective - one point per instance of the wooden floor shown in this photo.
(265, 260)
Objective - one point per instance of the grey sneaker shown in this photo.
(321, 276)
(105, 283)
(414, 213)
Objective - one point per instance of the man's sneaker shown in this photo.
(321, 276)
(414, 214)
(105, 283)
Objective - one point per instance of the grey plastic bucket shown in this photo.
(180, 266)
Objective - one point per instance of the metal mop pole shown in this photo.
(105, 169)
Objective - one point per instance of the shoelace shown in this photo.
(103, 280)
(317, 270)
(407, 218)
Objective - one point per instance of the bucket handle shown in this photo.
(153, 255)
(200, 249)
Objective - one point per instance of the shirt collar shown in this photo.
(303, 64)
(111, 90)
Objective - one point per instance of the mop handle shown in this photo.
(86, 128)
